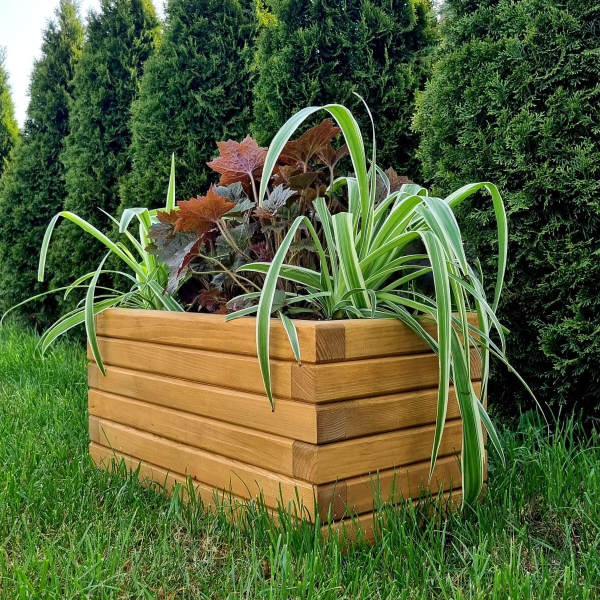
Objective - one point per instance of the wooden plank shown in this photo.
(247, 445)
(297, 420)
(365, 338)
(326, 382)
(232, 371)
(149, 474)
(315, 424)
(320, 341)
(368, 378)
(242, 480)
(360, 494)
(203, 332)
(357, 497)
(234, 508)
(369, 527)
(367, 416)
(350, 458)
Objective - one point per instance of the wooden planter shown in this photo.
(183, 397)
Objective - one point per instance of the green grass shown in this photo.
(70, 531)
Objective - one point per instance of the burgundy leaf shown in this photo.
(303, 149)
(238, 161)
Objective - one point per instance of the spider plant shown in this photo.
(148, 277)
(367, 270)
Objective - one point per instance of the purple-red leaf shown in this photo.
(238, 161)
(200, 214)
(309, 144)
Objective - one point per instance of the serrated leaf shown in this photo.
(277, 199)
(330, 157)
(234, 192)
(199, 214)
(307, 146)
(238, 161)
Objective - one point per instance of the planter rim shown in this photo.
(221, 318)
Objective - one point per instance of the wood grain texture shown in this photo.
(297, 420)
(350, 458)
(236, 508)
(368, 527)
(164, 481)
(367, 416)
(361, 494)
(231, 371)
(368, 378)
(315, 424)
(317, 383)
(247, 445)
(238, 478)
(365, 338)
(149, 475)
(203, 332)
(320, 341)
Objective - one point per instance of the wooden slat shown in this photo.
(367, 416)
(316, 424)
(297, 420)
(227, 474)
(320, 341)
(368, 527)
(369, 378)
(203, 332)
(233, 506)
(149, 475)
(308, 462)
(350, 458)
(232, 371)
(354, 496)
(312, 383)
(365, 338)
(253, 447)
(357, 494)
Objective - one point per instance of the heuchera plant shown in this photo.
(209, 238)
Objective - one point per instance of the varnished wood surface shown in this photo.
(359, 456)
(320, 383)
(250, 446)
(297, 420)
(320, 341)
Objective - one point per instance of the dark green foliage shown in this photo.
(319, 51)
(34, 185)
(514, 99)
(196, 90)
(8, 125)
(119, 39)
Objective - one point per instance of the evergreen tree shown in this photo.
(8, 125)
(514, 100)
(119, 39)
(313, 52)
(196, 90)
(34, 185)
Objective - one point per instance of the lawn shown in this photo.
(70, 531)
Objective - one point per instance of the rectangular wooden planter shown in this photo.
(183, 397)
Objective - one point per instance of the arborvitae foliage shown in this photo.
(34, 185)
(8, 125)
(319, 51)
(514, 99)
(196, 90)
(119, 40)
